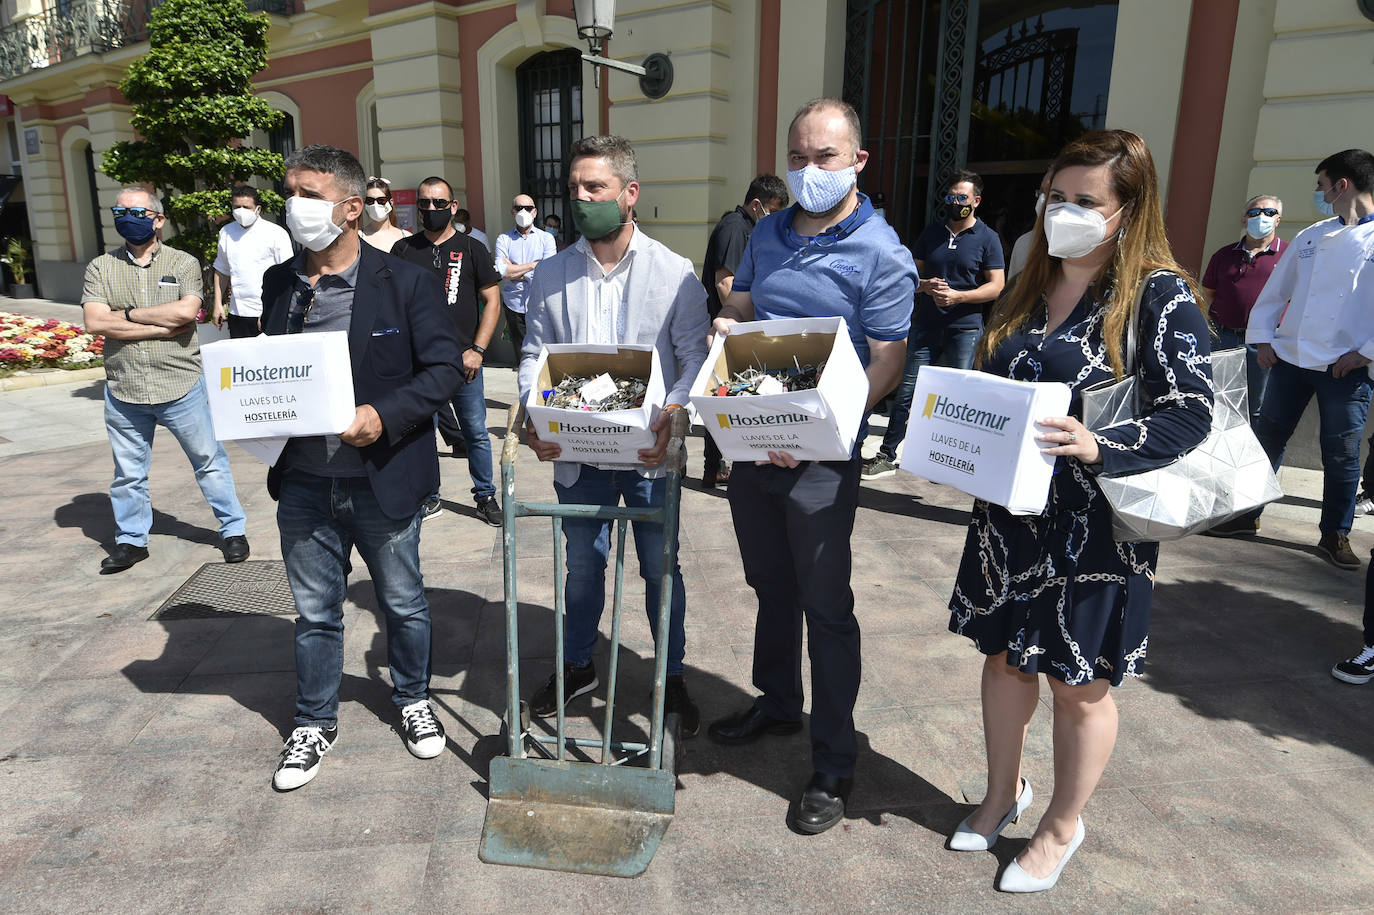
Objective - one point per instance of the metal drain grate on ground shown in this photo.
(220, 589)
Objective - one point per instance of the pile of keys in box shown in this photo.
(755, 380)
(600, 394)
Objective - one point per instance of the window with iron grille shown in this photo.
(549, 85)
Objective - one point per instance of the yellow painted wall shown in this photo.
(1318, 99)
(1147, 74)
(1236, 152)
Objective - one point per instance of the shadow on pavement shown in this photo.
(900, 503)
(1250, 656)
(93, 391)
(90, 511)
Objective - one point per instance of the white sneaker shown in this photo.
(423, 733)
(301, 755)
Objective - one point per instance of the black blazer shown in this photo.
(406, 361)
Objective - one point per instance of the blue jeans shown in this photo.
(470, 404)
(589, 545)
(321, 519)
(949, 346)
(1255, 377)
(131, 427)
(1343, 405)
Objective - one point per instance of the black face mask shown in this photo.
(435, 220)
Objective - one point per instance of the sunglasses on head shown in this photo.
(1267, 211)
(433, 203)
(956, 198)
(137, 212)
(385, 199)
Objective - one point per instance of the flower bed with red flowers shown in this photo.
(38, 343)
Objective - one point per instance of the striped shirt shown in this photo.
(147, 371)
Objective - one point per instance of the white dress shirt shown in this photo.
(512, 247)
(606, 303)
(1319, 302)
(244, 256)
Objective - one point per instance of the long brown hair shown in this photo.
(1141, 248)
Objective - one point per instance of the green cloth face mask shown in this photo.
(596, 219)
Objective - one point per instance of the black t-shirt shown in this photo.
(463, 265)
(724, 251)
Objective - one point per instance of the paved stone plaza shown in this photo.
(136, 755)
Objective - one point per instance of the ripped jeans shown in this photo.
(1343, 405)
(321, 519)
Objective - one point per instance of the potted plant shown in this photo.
(19, 256)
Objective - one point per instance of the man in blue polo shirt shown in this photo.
(829, 255)
(961, 267)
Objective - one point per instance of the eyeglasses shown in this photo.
(433, 203)
(956, 198)
(1267, 211)
(295, 318)
(386, 199)
(527, 209)
(137, 212)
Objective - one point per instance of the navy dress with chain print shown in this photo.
(1054, 590)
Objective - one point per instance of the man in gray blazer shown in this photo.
(616, 285)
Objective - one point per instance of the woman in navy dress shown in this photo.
(1054, 594)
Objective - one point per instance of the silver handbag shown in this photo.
(1226, 475)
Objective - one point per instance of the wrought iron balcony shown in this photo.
(72, 28)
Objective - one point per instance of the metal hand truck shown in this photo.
(546, 810)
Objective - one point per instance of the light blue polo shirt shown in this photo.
(857, 270)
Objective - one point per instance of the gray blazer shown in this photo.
(664, 304)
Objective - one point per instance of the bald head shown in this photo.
(839, 116)
(522, 200)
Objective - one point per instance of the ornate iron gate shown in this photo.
(549, 86)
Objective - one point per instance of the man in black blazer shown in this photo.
(364, 486)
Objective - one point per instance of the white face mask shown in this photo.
(312, 222)
(245, 216)
(820, 191)
(1074, 231)
(460, 228)
(1260, 226)
(378, 211)
(524, 218)
(1039, 203)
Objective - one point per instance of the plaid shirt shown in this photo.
(147, 371)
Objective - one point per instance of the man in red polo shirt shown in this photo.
(1233, 280)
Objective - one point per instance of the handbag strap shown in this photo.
(1130, 359)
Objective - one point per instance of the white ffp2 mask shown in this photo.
(1074, 231)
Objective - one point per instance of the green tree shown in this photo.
(192, 102)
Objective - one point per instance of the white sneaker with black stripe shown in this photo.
(301, 755)
(1359, 669)
(423, 733)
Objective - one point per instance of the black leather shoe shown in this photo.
(235, 549)
(122, 557)
(748, 726)
(822, 803)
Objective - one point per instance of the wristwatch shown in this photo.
(481, 350)
(127, 316)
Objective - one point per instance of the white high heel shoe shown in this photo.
(1016, 880)
(965, 839)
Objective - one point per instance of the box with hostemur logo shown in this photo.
(976, 432)
(591, 436)
(291, 385)
(812, 425)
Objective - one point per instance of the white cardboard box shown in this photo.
(976, 432)
(289, 385)
(816, 425)
(586, 436)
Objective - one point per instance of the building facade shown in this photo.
(1235, 97)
